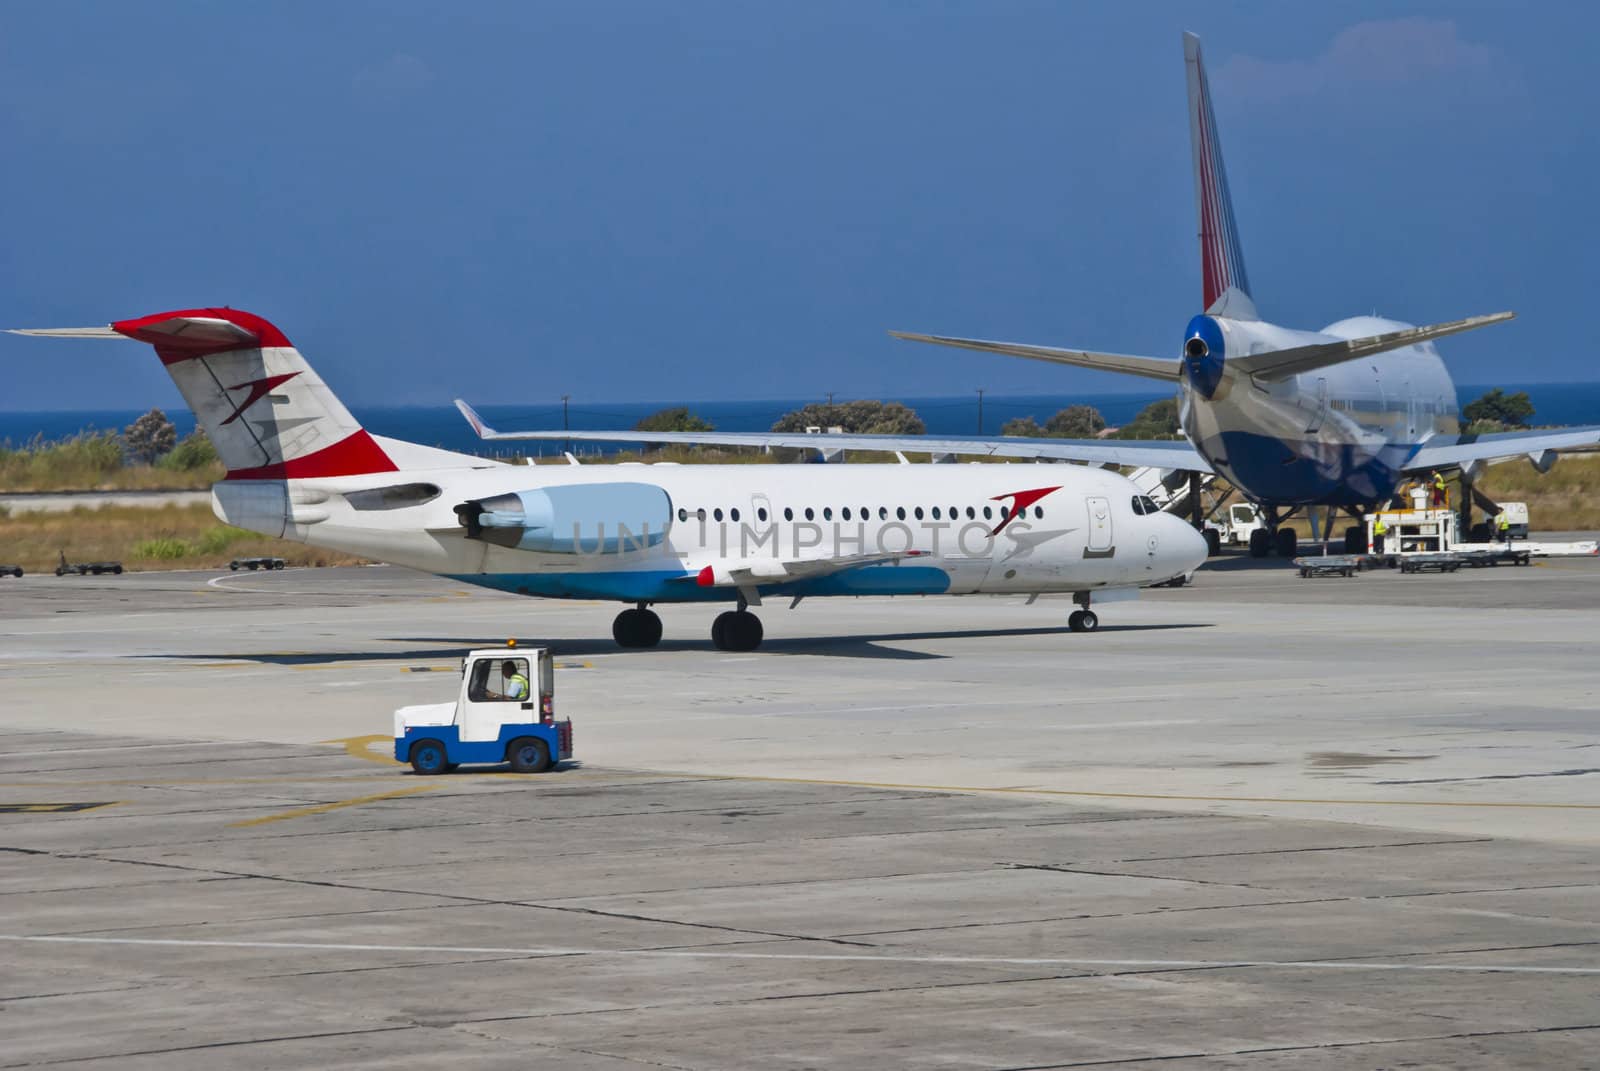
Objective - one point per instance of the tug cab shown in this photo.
(504, 712)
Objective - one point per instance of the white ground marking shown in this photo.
(826, 957)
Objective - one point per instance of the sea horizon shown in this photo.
(443, 426)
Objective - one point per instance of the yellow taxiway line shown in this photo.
(323, 808)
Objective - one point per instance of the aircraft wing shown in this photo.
(1138, 453)
(1149, 367)
(1451, 451)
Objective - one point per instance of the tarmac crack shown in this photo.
(1298, 851)
(1493, 777)
(205, 1046)
(1326, 1045)
(1119, 874)
(475, 900)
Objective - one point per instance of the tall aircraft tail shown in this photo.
(1226, 286)
(267, 412)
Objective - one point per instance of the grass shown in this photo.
(1565, 499)
(144, 537)
(93, 461)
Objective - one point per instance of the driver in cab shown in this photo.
(515, 682)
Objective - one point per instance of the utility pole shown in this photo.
(830, 397)
(980, 410)
(566, 444)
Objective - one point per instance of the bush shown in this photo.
(150, 436)
(856, 418)
(1076, 422)
(1158, 420)
(1511, 410)
(195, 452)
(1023, 427)
(675, 419)
(219, 538)
(165, 549)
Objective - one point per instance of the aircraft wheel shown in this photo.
(736, 630)
(1260, 543)
(1083, 621)
(428, 757)
(1213, 543)
(528, 755)
(1355, 540)
(636, 628)
(1288, 542)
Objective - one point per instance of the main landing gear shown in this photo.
(733, 630)
(1083, 621)
(639, 627)
(736, 630)
(1276, 537)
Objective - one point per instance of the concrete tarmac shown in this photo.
(1256, 822)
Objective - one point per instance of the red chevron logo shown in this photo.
(1020, 501)
(258, 389)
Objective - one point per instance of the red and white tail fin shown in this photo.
(267, 412)
(1226, 287)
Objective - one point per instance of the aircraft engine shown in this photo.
(593, 518)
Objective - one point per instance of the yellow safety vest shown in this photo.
(1380, 529)
(1503, 521)
(517, 686)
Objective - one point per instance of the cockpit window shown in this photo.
(1143, 504)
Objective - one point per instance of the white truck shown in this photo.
(1233, 526)
(502, 713)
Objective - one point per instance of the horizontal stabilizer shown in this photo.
(66, 332)
(1148, 367)
(1280, 364)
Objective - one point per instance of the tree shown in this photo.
(1158, 420)
(149, 437)
(1076, 422)
(857, 418)
(677, 418)
(1023, 426)
(1509, 410)
(194, 452)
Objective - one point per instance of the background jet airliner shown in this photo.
(300, 467)
(1293, 419)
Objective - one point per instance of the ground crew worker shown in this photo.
(1441, 497)
(1379, 530)
(516, 683)
(1502, 527)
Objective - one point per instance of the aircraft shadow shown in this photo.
(426, 659)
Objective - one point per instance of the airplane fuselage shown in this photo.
(1336, 436)
(954, 529)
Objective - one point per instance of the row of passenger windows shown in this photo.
(954, 513)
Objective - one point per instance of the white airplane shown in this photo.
(1293, 419)
(300, 467)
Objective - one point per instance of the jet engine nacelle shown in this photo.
(594, 518)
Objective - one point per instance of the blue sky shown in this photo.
(638, 201)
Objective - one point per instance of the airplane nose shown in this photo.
(1182, 548)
